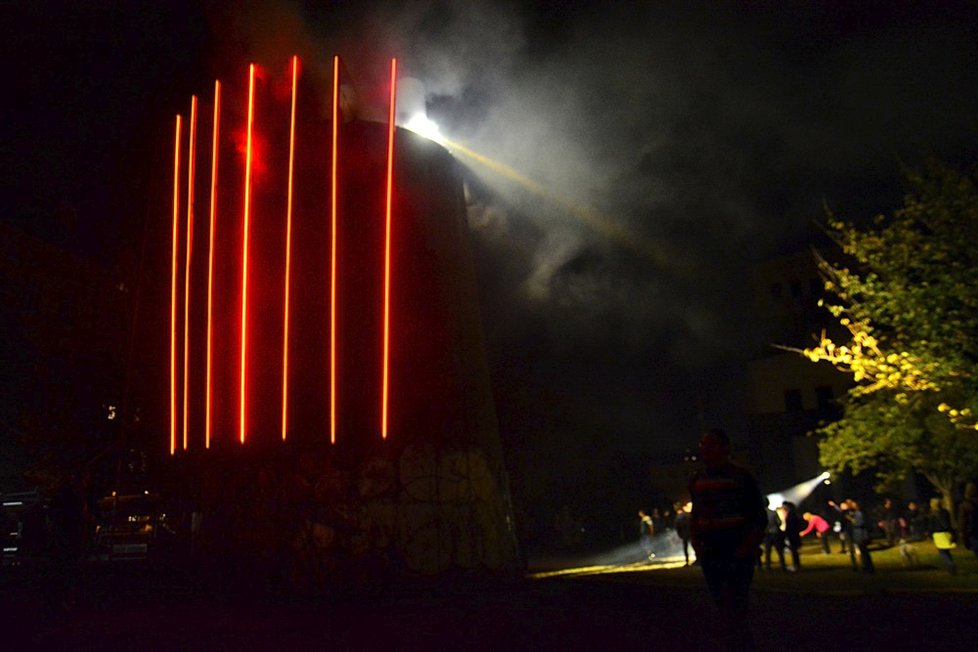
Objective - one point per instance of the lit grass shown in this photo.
(819, 573)
(833, 572)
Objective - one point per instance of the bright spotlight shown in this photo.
(775, 499)
(797, 493)
(421, 124)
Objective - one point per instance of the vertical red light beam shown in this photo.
(387, 251)
(173, 290)
(332, 258)
(212, 232)
(288, 254)
(244, 255)
(191, 163)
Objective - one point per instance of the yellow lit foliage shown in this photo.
(910, 305)
(873, 369)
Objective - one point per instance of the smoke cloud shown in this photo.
(659, 149)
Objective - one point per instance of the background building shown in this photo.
(62, 344)
(788, 396)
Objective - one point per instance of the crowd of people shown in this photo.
(845, 521)
(733, 530)
(845, 526)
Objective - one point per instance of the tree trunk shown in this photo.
(945, 485)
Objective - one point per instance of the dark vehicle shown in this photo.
(131, 527)
(24, 524)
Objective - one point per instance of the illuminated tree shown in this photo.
(877, 432)
(910, 306)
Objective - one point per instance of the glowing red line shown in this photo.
(387, 250)
(244, 254)
(332, 261)
(288, 254)
(173, 291)
(210, 257)
(191, 162)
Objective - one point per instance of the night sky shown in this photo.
(711, 133)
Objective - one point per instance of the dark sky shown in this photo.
(710, 133)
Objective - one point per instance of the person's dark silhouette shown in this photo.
(726, 526)
(67, 520)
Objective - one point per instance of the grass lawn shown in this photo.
(833, 572)
(820, 573)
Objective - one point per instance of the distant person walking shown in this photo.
(67, 536)
(682, 528)
(968, 518)
(646, 532)
(848, 532)
(914, 519)
(726, 526)
(860, 536)
(842, 524)
(888, 521)
(943, 535)
(793, 525)
(773, 540)
(658, 522)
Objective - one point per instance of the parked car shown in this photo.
(131, 527)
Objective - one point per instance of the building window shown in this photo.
(792, 400)
(823, 397)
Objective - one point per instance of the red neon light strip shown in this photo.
(387, 251)
(210, 257)
(332, 260)
(191, 162)
(173, 291)
(288, 254)
(244, 254)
